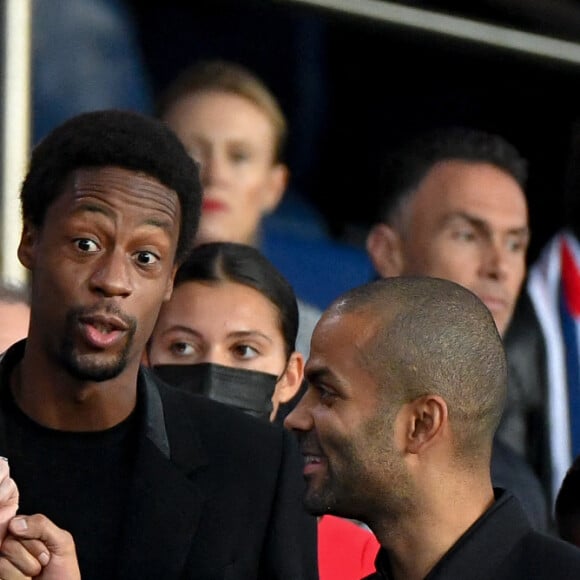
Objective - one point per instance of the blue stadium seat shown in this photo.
(319, 269)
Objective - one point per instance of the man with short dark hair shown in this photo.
(453, 206)
(407, 381)
(150, 482)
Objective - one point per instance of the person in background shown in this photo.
(14, 314)
(233, 126)
(543, 339)
(407, 380)
(108, 71)
(151, 482)
(453, 206)
(229, 332)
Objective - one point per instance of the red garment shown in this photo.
(346, 551)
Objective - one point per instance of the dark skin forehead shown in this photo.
(135, 186)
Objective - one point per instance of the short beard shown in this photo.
(338, 493)
(85, 367)
(351, 491)
(321, 502)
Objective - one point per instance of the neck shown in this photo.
(50, 396)
(417, 541)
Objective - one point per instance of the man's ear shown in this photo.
(277, 182)
(424, 422)
(289, 383)
(27, 245)
(385, 250)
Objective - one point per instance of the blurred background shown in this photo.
(354, 77)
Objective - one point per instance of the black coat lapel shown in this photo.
(164, 506)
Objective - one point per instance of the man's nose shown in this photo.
(494, 260)
(112, 275)
(300, 418)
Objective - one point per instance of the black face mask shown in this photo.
(249, 391)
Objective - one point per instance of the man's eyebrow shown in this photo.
(87, 206)
(317, 374)
(160, 223)
(482, 224)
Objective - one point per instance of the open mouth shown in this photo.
(104, 328)
(313, 463)
(102, 331)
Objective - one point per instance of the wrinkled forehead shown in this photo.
(113, 184)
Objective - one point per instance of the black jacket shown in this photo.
(216, 494)
(501, 545)
(525, 424)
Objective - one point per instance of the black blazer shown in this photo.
(525, 424)
(216, 494)
(500, 545)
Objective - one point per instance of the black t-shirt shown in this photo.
(81, 481)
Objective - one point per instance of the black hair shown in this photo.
(113, 138)
(405, 168)
(228, 261)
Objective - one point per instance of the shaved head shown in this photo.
(432, 336)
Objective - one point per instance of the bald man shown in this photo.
(407, 381)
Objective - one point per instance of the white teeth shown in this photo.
(103, 328)
(311, 459)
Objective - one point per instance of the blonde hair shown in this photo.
(228, 77)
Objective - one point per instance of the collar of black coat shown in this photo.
(480, 550)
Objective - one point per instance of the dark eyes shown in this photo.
(86, 245)
(464, 235)
(325, 395)
(146, 258)
(143, 258)
(513, 244)
(181, 348)
(239, 156)
(517, 245)
(245, 351)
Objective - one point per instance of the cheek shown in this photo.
(332, 432)
(252, 186)
(516, 272)
(448, 259)
(54, 283)
(441, 261)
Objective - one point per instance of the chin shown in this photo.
(93, 368)
(319, 502)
